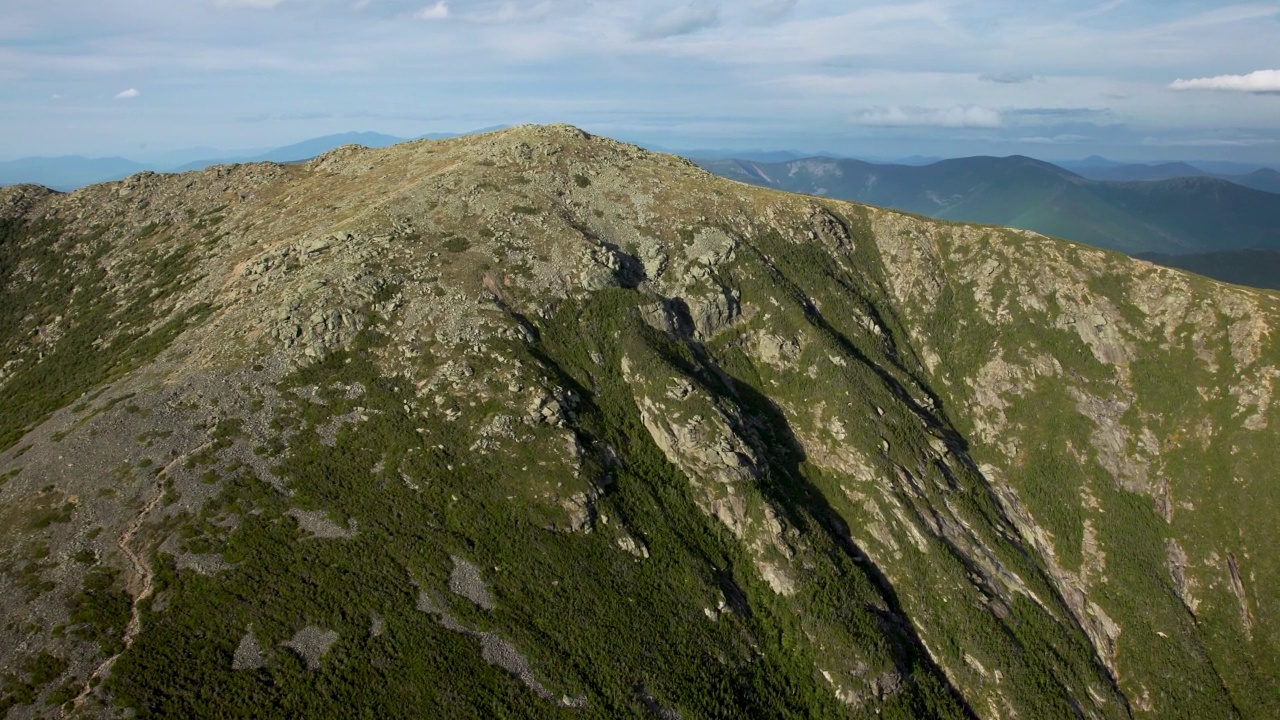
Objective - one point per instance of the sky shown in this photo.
(1057, 79)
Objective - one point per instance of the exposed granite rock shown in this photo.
(312, 644)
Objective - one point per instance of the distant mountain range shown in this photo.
(304, 150)
(1172, 216)
(1219, 168)
(1265, 179)
(1255, 268)
(70, 172)
(67, 172)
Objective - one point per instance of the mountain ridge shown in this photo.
(542, 424)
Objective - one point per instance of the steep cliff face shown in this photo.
(539, 424)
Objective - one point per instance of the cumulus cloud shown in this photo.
(681, 20)
(128, 94)
(960, 116)
(439, 11)
(1261, 81)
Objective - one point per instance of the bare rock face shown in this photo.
(320, 525)
(467, 582)
(1177, 563)
(312, 644)
(248, 654)
(778, 352)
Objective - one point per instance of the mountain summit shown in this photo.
(539, 424)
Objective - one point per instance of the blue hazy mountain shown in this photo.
(1255, 268)
(1098, 168)
(1178, 215)
(67, 172)
(1141, 172)
(71, 172)
(1266, 179)
(304, 150)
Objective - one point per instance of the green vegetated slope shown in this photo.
(537, 424)
(1174, 216)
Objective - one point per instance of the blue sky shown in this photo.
(1130, 79)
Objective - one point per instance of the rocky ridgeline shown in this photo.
(683, 447)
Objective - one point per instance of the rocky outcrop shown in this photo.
(311, 644)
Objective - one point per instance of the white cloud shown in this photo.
(439, 11)
(942, 69)
(127, 94)
(255, 4)
(1261, 81)
(960, 116)
(681, 20)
